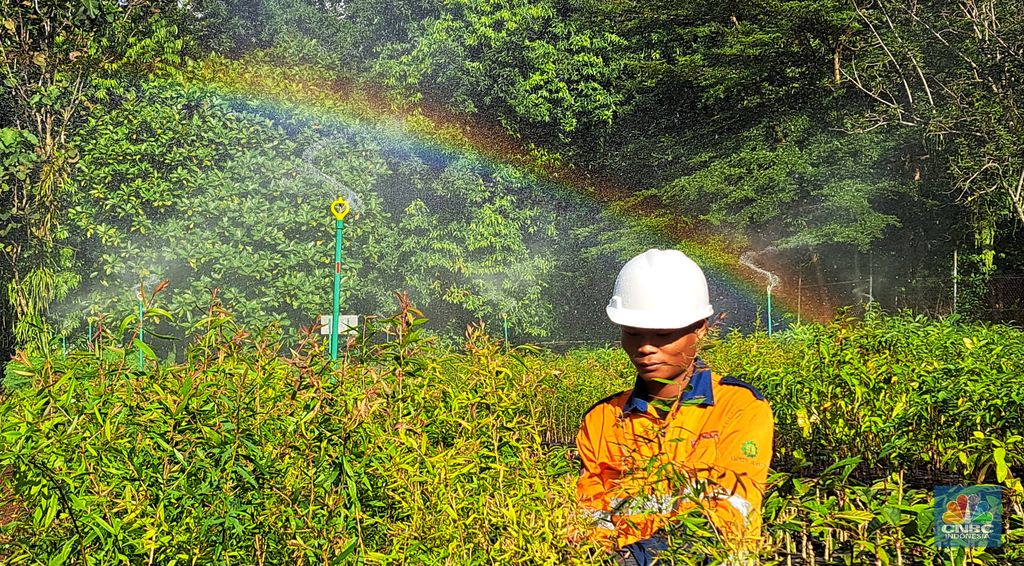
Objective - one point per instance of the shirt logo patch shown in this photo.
(749, 449)
(712, 435)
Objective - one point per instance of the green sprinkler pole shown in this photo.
(140, 327)
(504, 323)
(769, 310)
(340, 209)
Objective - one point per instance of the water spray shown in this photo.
(335, 187)
(747, 259)
(339, 209)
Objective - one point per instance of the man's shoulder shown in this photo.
(734, 385)
(738, 403)
(733, 395)
(614, 403)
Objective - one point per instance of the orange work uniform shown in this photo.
(641, 464)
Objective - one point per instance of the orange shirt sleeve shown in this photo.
(596, 479)
(740, 472)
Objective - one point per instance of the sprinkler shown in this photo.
(747, 259)
(340, 209)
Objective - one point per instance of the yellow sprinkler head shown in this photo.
(340, 208)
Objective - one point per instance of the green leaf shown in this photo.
(106, 526)
(157, 311)
(8, 136)
(891, 514)
(926, 521)
(855, 515)
(1002, 470)
(847, 464)
(146, 350)
(246, 475)
(348, 551)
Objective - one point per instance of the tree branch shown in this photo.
(881, 42)
(910, 54)
(1017, 196)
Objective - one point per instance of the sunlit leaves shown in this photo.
(286, 458)
(408, 451)
(519, 63)
(209, 194)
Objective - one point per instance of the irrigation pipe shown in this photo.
(141, 290)
(339, 209)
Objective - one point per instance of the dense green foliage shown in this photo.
(411, 453)
(242, 455)
(821, 129)
(238, 206)
(55, 54)
(943, 398)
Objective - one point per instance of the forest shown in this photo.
(867, 154)
(166, 252)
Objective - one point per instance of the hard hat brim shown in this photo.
(643, 319)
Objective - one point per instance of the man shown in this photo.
(683, 436)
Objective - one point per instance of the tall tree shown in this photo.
(54, 51)
(950, 75)
(521, 63)
(953, 73)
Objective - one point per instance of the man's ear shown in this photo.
(703, 330)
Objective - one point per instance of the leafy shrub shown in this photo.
(243, 455)
(406, 451)
(942, 398)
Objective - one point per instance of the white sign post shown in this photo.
(347, 324)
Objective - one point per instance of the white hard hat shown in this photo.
(660, 289)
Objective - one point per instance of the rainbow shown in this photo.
(440, 135)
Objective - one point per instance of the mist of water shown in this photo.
(336, 188)
(554, 292)
(747, 259)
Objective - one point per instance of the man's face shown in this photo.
(662, 354)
